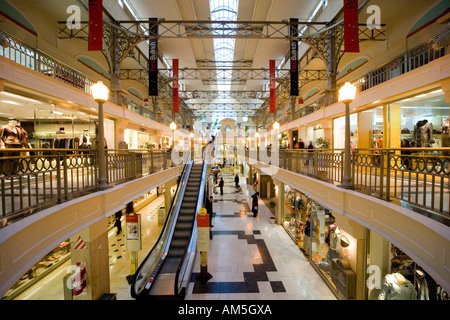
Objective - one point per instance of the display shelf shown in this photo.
(47, 265)
(343, 278)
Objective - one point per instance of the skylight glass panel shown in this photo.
(223, 10)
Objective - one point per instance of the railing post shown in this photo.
(133, 165)
(315, 164)
(164, 160)
(353, 168)
(65, 175)
(388, 175)
(381, 173)
(107, 173)
(151, 162)
(58, 177)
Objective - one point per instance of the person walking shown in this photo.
(255, 204)
(221, 183)
(236, 181)
(118, 223)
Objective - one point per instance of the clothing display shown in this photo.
(425, 287)
(378, 143)
(334, 238)
(63, 143)
(445, 125)
(13, 136)
(85, 140)
(423, 134)
(396, 287)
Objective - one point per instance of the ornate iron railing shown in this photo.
(410, 60)
(34, 179)
(39, 61)
(415, 177)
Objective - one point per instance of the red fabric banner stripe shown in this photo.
(273, 92)
(95, 37)
(175, 99)
(351, 30)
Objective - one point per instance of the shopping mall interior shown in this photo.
(224, 150)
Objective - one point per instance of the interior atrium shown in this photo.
(228, 150)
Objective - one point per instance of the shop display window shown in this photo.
(406, 280)
(339, 131)
(424, 120)
(377, 127)
(324, 238)
(50, 126)
(45, 266)
(294, 214)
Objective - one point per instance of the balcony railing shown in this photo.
(417, 178)
(36, 60)
(410, 60)
(30, 183)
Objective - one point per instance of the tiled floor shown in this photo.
(250, 258)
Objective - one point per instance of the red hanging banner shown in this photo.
(95, 38)
(351, 30)
(175, 100)
(272, 87)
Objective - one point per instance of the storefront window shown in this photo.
(423, 120)
(51, 126)
(313, 133)
(289, 219)
(324, 237)
(408, 281)
(331, 250)
(339, 131)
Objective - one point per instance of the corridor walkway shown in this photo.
(251, 258)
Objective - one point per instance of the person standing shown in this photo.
(209, 209)
(221, 183)
(118, 223)
(255, 204)
(236, 181)
(301, 144)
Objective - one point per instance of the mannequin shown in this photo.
(335, 238)
(423, 134)
(11, 134)
(23, 136)
(444, 125)
(85, 140)
(396, 287)
(15, 137)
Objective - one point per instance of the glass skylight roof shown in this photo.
(223, 10)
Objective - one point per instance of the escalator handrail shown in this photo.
(199, 204)
(174, 210)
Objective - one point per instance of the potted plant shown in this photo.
(322, 143)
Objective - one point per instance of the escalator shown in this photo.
(166, 271)
(186, 217)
